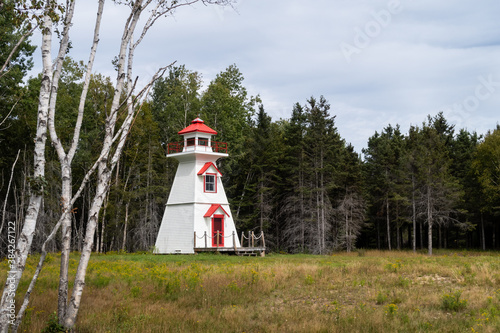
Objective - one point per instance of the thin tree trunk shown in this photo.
(261, 199)
(39, 267)
(414, 215)
(348, 242)
(125, 227)
(378, 233)
(421, 227)
(302, 205)
(429, 221)
(445, 237)
(66, 242)
(8, 190)
(103, 223)
(97, 239)
(398, 238)
(323, 217)
(388, 222)
(483, 238)
(493, 238)
(440, 240)
(242, 196)
(26, 237)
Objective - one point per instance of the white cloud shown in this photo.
(425, 58)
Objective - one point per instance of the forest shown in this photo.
(296, 179)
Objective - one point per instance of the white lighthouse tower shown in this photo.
(197, 211)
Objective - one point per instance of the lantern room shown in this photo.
(197, 138)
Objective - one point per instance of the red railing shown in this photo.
(178, 147)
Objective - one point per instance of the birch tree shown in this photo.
(114, 138)
(116, 131)
(37, 182)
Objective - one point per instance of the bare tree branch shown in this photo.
(14, 49)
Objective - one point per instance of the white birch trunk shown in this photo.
(106, 162)
(26, 237)
(104, 172)
(125, 227)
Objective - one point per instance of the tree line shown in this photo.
(296, 179)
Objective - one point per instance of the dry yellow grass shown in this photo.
(375, 292)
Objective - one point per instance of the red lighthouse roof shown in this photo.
(198, 125)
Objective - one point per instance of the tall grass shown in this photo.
(373, 292)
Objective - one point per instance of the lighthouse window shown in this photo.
(210, 185)
(190, 142)
(203, 142)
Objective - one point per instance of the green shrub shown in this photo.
(381, 298)
(53, 325)
(452, 302)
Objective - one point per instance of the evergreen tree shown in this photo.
(462, 152)
(227, 108)
(439, 191)
(256, 206)
(294, 192)
(323, 147)
(175, 102)
(384, 165)
(486, 166)
(351, 205)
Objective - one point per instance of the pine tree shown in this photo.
(351, 206)
(293, 207)
(462, 151)
(486, 166)
(383, 170)
(439, 191)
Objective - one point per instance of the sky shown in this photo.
(376, 62)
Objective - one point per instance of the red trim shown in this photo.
(215, 229)
(198, 125)
(205, 168)
(213, 209)
(205, 183)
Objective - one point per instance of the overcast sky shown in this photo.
(376, 62)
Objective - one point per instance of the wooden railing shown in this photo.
(253, 241)
(202, 144)
(218, 237)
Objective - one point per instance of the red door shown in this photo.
(218, 227)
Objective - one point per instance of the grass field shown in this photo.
(366, 291)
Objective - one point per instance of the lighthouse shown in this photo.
(197, 209)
